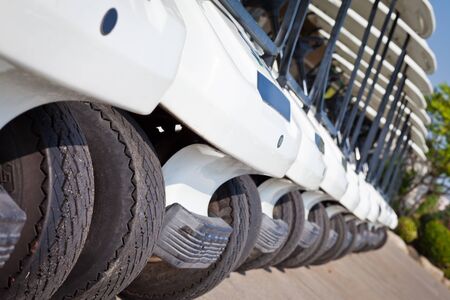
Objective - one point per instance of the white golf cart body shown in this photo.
(195, 61)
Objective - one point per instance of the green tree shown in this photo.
(434, 243)
(406, 229)
(428, 206)
(434, 173)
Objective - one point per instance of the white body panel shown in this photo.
(418, 14)
(418, 49)
(335, 180)
(415, 13)
(308, 169)
(418, 150)
(424, 117)
(377, 96)
(363, 208)
(388, 218)
(416, 82)
(379, 91)
(348, 38)
(417, 137)
(385, 216)
(394, 221)
(418, 128)
(237, 120)
(374, 211)
(130, 68)
(194, 61)
(351, 197)
(414, 96)
(417, 79)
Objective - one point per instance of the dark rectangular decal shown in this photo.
(273, 96)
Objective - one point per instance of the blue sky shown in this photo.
(440, 41)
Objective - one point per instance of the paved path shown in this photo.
(385, 274)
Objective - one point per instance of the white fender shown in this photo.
(312, 198)
(195, 172)
(333, 210)
(21, 90)
(271, 190)
(350, 217)
(359, 222)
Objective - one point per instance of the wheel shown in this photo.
(46, 163)
(129, 205)
(380, 234)
(255, 216)
(159, 280)
(368, 245)
(337, 224)
(291, 210)
(321, 249)
(300, 256)
(346, 249)
(298, 216)
(362, 238)
(383, 240)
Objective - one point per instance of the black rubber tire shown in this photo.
(45, 158)
(159, 280)
(291, 210)
(361, 230)
(300, 256)
(128, 209)
(370, 247)
(338, 224)
(321, 249)
(298, 213)
(367, 247)
(351, 228)
(383, 241)
(255, 217)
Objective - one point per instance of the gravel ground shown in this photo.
(389, 273)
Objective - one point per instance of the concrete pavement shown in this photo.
(388, 273)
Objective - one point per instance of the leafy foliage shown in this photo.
(443, 216)
(407, 181)
(407, 229)
(439, 136)
(433, 174)
(447, 273)
(434, 243)
(428, 206)
(433, 178)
